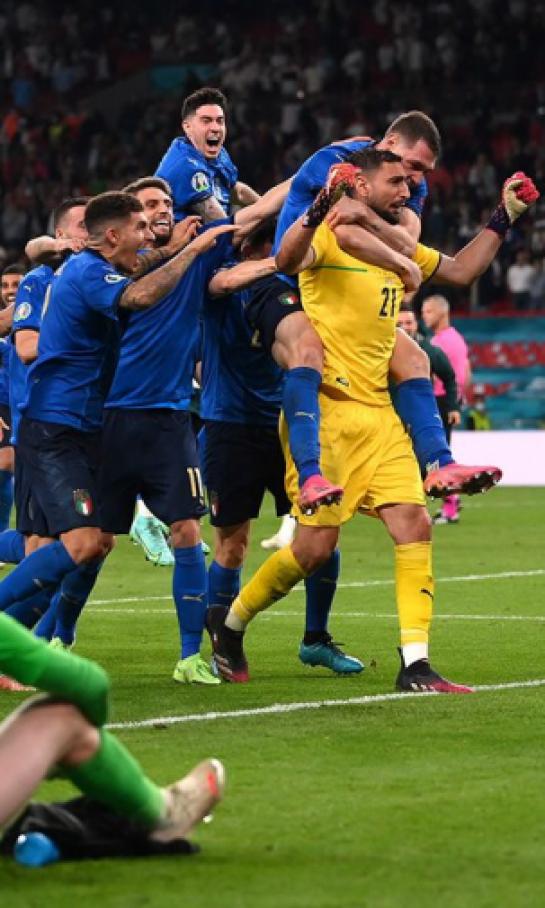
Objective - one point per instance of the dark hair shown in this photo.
(66, 205)
(407, 307)
(415, 125)
(371, 158)
(17, 268)
(108, 207)
(148, 183)
(206, 95)
(262, 234)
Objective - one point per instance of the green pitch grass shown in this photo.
(419, 801)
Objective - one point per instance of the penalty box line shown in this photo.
(283, 708)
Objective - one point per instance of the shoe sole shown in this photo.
(214, 780)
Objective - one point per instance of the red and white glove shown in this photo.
(341, 177)
(517, 194)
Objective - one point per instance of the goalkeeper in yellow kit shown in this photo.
(353, 305)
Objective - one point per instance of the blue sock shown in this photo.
(29, 611)
(70, 599)
(46, 567)
(302, 413)
(223, 584)
(189, 591)
(320, 589)
(6, 498)
(12, 546)
(417, 409)
(46, 625)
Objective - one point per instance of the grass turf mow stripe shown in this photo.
(282, 708)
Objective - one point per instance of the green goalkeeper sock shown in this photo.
(113, 777)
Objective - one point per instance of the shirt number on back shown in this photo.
(389, 297)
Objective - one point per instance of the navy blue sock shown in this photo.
(416, 406)
(46, 567)
(46, 625)
(302, 413)
(71, 598)
(320, 589)
(29, 611)
(6, 498)
(12, 546)
(189, 591)
(223, 584)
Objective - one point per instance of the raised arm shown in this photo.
(518, 194)
(183, 232)
(296, 252)
(45, 249)
(229, 280)
(267, 206)
(148, 290)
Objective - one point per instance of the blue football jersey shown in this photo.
(310, 178)
(29, 303)
(161, 345)
(4, 371)
(79, 344)
(240, 382)
(194, 178)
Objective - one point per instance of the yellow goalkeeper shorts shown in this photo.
(366, 451)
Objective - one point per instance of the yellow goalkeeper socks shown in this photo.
(272, 581)
(414, 595)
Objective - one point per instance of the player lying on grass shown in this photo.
(65, 732)
(353, 307)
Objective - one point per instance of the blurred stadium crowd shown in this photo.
(297, 76)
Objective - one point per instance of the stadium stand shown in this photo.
(90, 98)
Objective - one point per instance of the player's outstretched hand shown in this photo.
(345, 211)
(183, 232)
(518, 193)
(410, 273)
(206, 240)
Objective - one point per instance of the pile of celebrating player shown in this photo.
(283, 307)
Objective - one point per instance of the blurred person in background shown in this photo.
(537, 285)
(519, 279)
(436, 317)
(477, 418)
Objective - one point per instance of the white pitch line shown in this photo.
(283, 708)
(340, 614)
(356, 584)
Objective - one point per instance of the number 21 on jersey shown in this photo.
(389, 299)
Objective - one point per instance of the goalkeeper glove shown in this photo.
(341, 179)
(518, 193)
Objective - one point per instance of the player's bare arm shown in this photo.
(296, 252)
(208, 210)
(243, 195)
(182, 234)
(349, 211)
(43, 250)
(229, 280)
(360, 244)
(267, 206)
(148, 290)
(26, 345)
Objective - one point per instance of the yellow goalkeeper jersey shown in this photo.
(353, 307)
